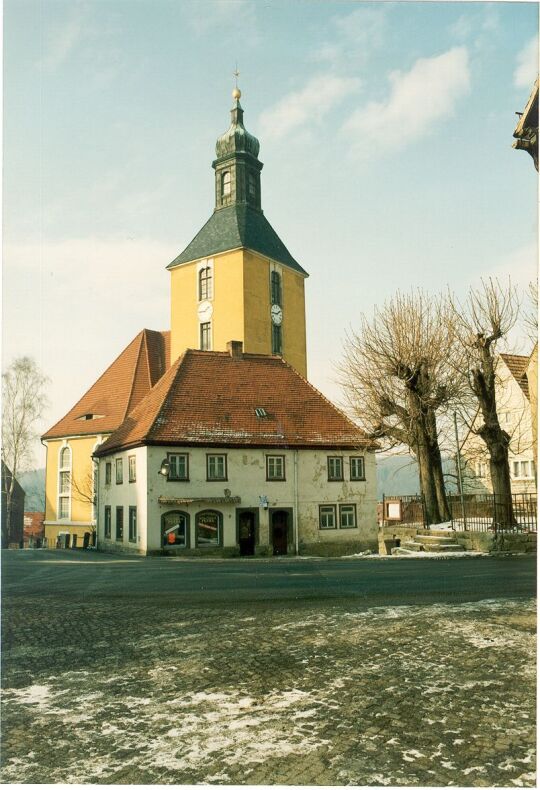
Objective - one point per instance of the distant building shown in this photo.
(15, 535)
(34, 529)
(516, 418)
(526, 131)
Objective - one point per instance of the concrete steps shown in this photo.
(424, 541)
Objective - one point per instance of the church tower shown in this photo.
(236, 280)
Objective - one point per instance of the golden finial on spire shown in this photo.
(236, 94)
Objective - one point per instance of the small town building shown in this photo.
(253, 459)
(12, 533)
(33, 529)
(236, 454)
(513, 394)
(526, 131)
(70, 484)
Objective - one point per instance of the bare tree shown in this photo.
(397, 377)
(480, 324)
(530, 313)
(23, 404)
(84, 488)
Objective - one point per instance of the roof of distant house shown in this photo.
(121, 387)
(517, 365)
(211, 398)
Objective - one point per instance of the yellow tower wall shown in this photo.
(241, 307)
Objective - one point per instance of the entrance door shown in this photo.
(246, 533)
(280, 523)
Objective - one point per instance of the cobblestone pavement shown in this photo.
(136, 689)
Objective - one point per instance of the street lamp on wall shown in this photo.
(164, 468)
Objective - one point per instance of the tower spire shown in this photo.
(238, 169)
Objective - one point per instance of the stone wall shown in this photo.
(524, 542)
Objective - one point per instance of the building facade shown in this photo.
(517, 419)
(237, 298)
(260, 463)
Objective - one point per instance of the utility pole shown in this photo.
(460, 478)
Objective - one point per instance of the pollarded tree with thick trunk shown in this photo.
(485, 320)
(397, 377)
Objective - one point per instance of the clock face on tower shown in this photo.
(205, 311)
(277, 314)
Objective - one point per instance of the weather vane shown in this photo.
(236, 74)
(236, 92)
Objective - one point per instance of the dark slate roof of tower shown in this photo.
(236, 226)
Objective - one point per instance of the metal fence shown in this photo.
(488, 513)
(476, 512)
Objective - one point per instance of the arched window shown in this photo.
(225, 184)
(252, 185)
(175, 529)
(205, 283)
(208, 528)
(275, 281)
(64, 482)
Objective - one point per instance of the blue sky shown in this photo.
(385, 130)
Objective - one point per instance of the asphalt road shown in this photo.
(375, 582)
(403, 672)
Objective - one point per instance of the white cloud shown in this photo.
(355, 36)
(61, 40)
(527, 65)
(207, 16)
(418, 99)
(306, 107)
(74, 305)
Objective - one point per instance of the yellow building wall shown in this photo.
(227, 303)
(241, 307)
(257, 327)
(184, 321)
(81, 470)
(294, 321)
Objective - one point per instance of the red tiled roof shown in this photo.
(517, 365)
(123, 385)
(209, 398)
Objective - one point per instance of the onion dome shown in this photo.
(237, 139)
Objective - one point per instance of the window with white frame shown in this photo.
(64, 483)
(206, 336)
(275, 467)
(205, 283)
(178, 466)
(356, 467)
(107, 529)
(132, 468)
(275, 283)
(347, 516)
(216, 467)
(175, 529)
(335, 467)
(327, 517)
(119, 523)
(523, 470)
(108, 473)
(119, 471)
(481, 469)
(225, 184)
(132, 524)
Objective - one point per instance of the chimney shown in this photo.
(234, 347)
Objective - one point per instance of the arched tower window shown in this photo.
(252, 186)
(225, 184)
(205, 283)
(275, 282)
(64, 482)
